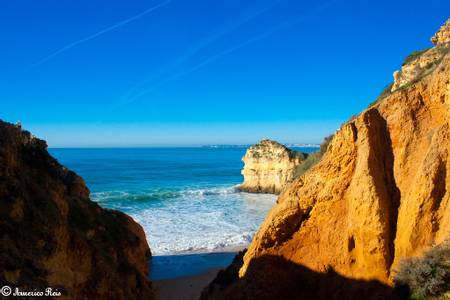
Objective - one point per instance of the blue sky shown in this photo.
(137, 73)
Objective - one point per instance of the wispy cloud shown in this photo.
(199, 46)
(218, 55)
(101, 32)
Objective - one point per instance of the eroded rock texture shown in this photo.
(380, 192)
(418, 65)
(268, 167)
(53, 235)
(422, 63)
(442, 36)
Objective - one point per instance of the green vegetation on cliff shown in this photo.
(426, 277)
(313, 158)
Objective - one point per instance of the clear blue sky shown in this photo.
(117, 73)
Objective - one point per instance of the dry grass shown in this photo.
(426, 277)
(313, 158)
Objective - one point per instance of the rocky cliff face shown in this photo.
(269, 167)
(53, 235)
(422, 63)
(379, 194)
(442, 36)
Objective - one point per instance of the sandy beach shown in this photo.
(183, 277)
(184, 288)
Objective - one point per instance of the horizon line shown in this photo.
(212, 146)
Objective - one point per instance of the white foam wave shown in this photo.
(211, 191)
(163, 193)
(204, 223)
(193, 219)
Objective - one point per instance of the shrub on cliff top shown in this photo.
(313, 158)
(324, 146)
(427, 277)
(414, 55)
(384, 93)
(307, 164)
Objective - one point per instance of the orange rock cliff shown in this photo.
(379, 194)
(53, 235)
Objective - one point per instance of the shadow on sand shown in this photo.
(273, 277)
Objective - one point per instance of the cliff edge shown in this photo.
(268, 167)
(421, 63)
(53, 235)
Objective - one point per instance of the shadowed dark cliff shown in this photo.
(53, 235)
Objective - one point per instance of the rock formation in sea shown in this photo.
(379, 194)
(53, 235)
(268, 167)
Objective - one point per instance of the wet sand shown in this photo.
(183, 277)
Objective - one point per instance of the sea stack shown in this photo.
(54, 236)
(268, 167)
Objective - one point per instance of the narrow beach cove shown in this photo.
(186, 200)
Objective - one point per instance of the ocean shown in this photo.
(185, 198)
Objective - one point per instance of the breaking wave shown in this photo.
(192, 219)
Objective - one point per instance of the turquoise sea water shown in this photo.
(185, 198)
